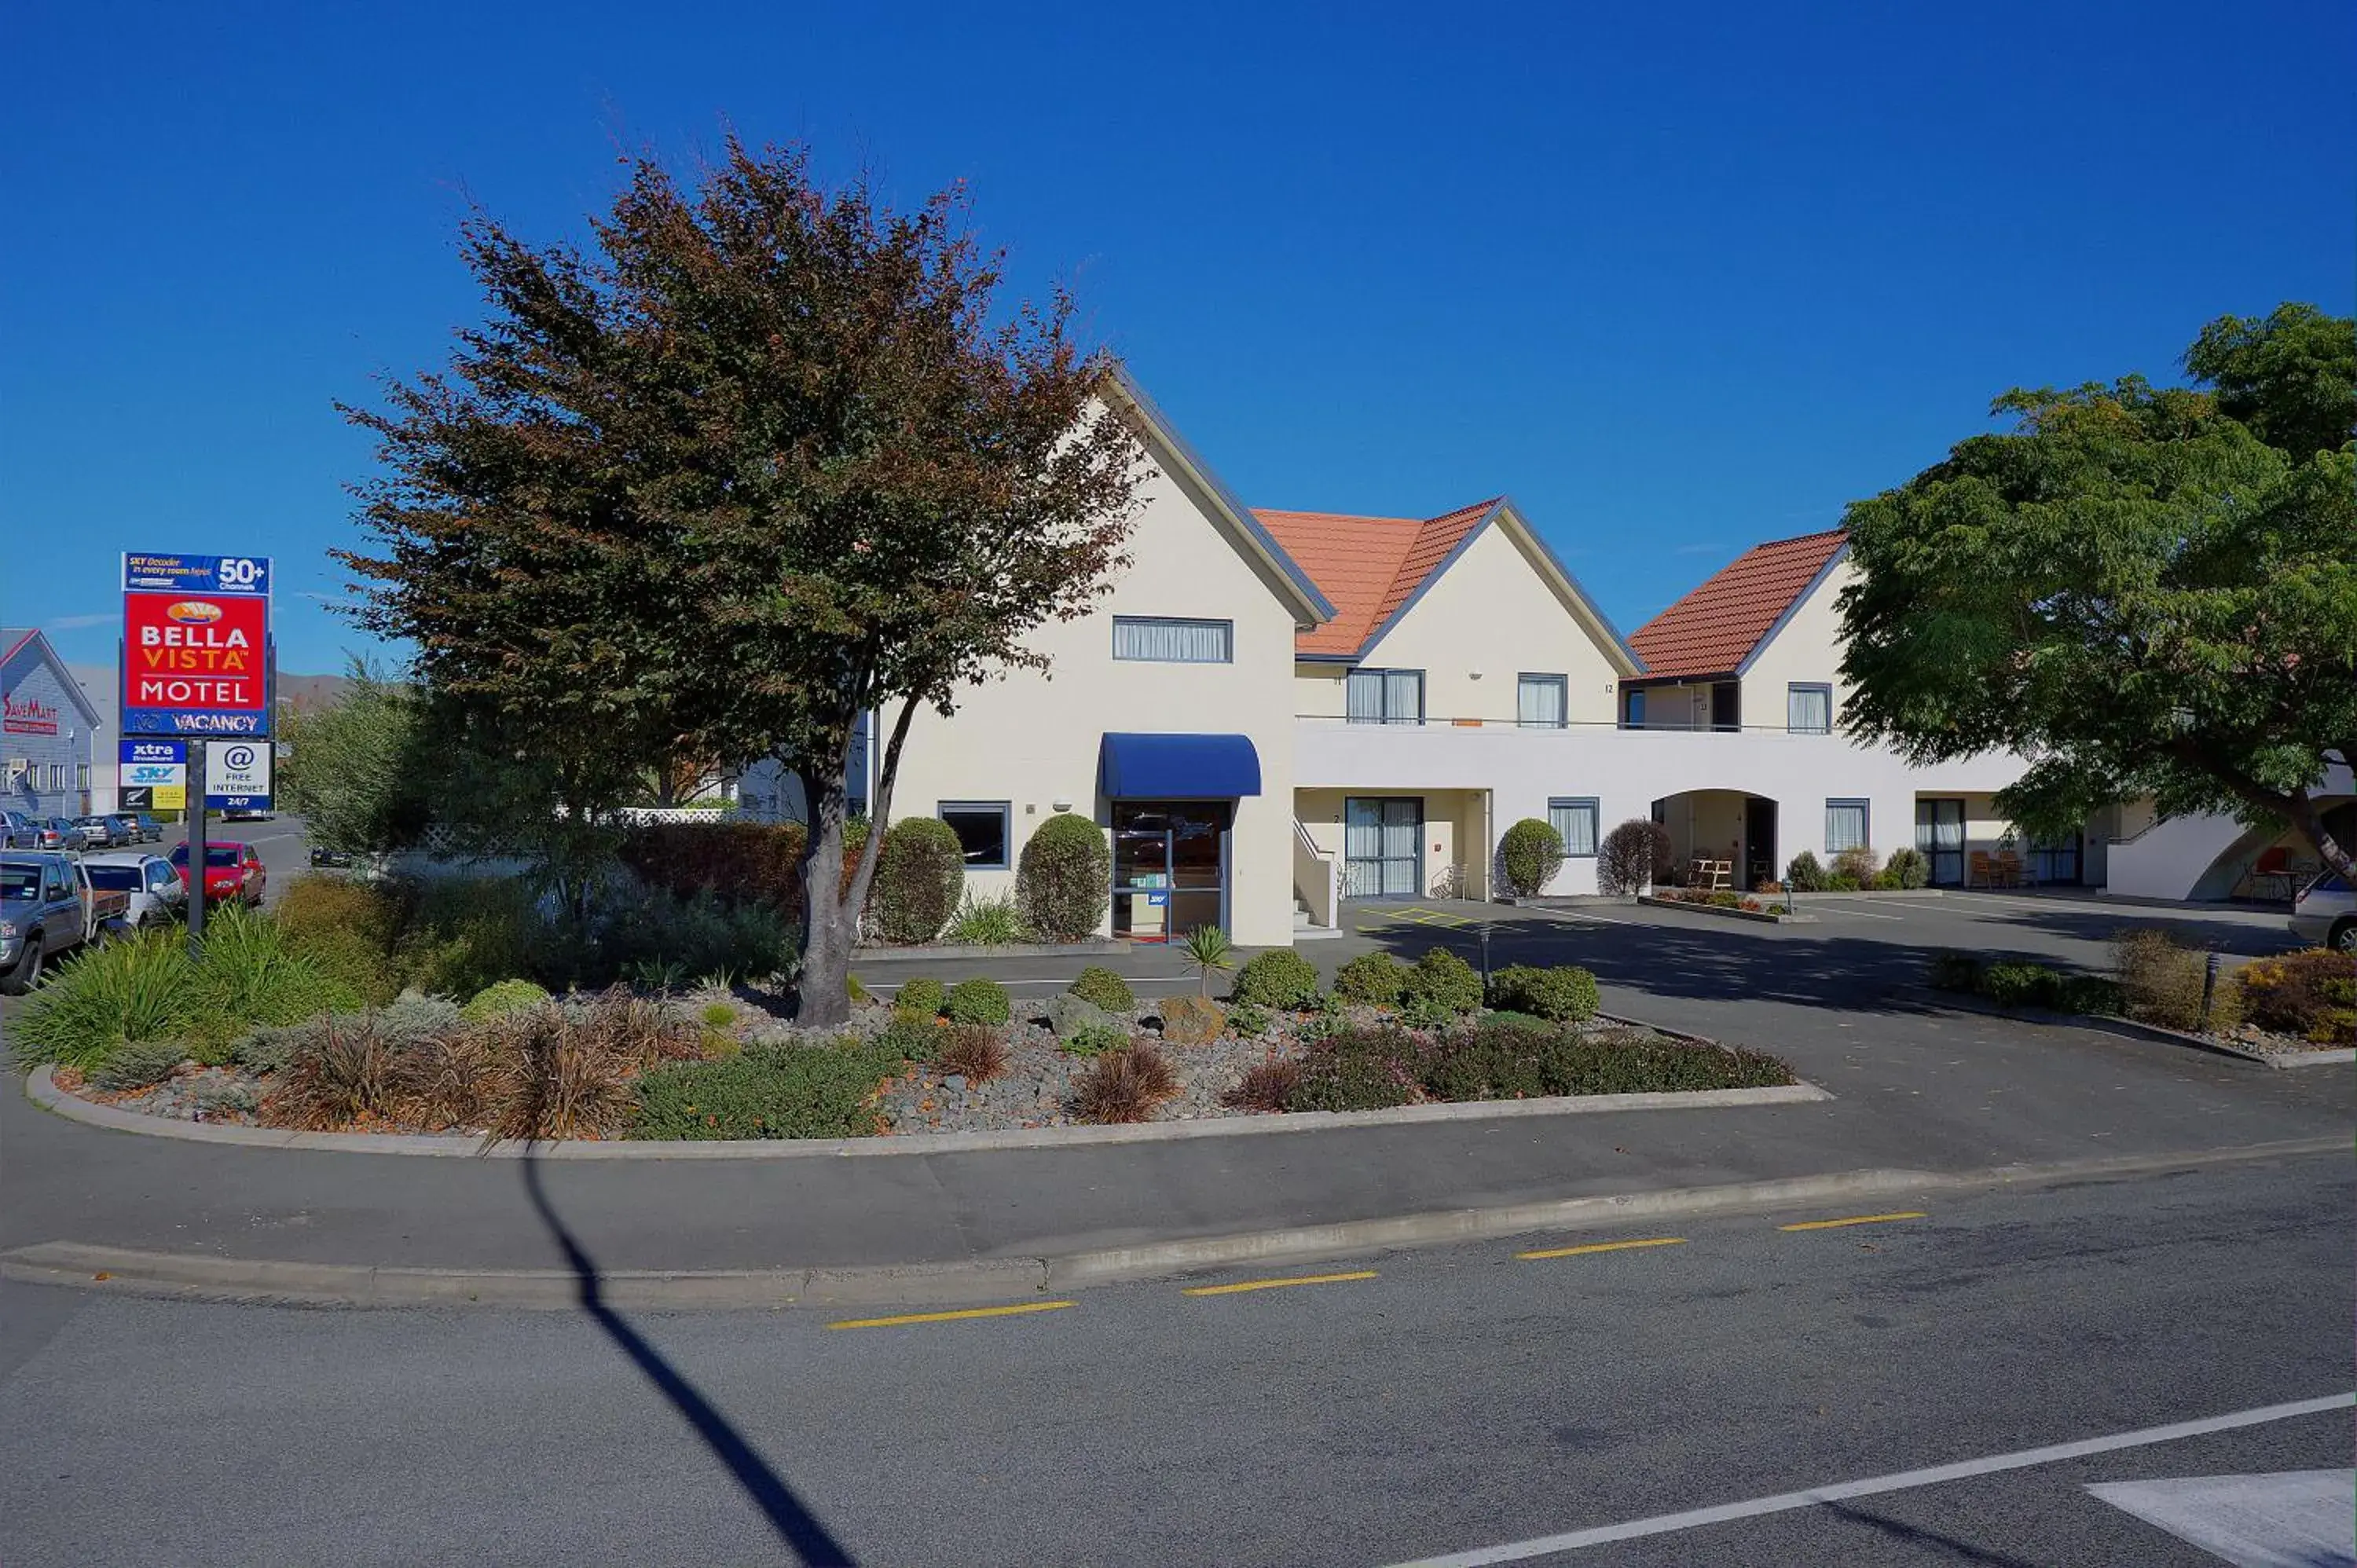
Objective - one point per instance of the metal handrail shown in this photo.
(1432, 721)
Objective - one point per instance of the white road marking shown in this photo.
(1964, 902)
(2295, 1519)
(1905, 1480)
(1826, 904)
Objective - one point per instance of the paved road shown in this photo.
(1460, 1399)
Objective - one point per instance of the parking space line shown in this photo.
(1602, 1247)
(1825, 904)
(1240, 1286)
(1852, 1219)
(959, 1315)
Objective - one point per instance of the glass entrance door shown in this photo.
(1940, 835)
(1169, 867)
(1383, 847)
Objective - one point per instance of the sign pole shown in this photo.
(197, 850)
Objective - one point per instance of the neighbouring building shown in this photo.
(48, 725)
(1272, 712)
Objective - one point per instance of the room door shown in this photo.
(1940, 835)
(1383, 847)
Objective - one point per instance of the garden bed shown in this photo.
(720, 1065)
(1742, 908)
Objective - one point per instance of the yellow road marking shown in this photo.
(1243, 1285)
(958, 1316)
(1604, 1247)
(1853, 1219)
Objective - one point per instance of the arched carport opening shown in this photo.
(1733, 828)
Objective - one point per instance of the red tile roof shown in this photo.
(1366, 567)
(1712, 629)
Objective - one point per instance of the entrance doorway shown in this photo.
(1169, 867)
(1758, 841)
(1382, 846)
(1939, 836)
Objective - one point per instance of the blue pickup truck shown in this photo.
(48, 908)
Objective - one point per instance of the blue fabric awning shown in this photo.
(1179, 767)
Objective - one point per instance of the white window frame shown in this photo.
(1865, 822)
(1006, 811)
(1562, 685)
(1571, 803)
(1144, 626)
(1794, 688)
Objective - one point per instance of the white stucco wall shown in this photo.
(1807, 649)
(1493, 611)
(1627, 770)
(1033, 739)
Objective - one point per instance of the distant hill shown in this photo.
(310, 693)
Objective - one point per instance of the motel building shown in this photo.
(1275, 714)
(46, 727)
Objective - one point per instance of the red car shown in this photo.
(232, 871)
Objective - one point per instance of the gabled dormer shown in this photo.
(1757, 646)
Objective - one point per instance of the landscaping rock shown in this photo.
(1191, 1020)
(1067, 1015)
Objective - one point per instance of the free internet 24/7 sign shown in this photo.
(196, 644)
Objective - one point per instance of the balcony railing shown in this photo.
(1431, 721)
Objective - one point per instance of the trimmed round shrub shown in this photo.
(1442, 979)
(1632, 856)
(918, 876)
(498, 1001)
(1563, 995)
(1910, 866)
(1279, 978)
(1858, 863)
(1064, 879)
(977, 1002)
(923, 996)
(1805, 873)
(1530, 853)
(1372, 980)
(1100, 985)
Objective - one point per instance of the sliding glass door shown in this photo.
(1383, 847)
(1940, 835)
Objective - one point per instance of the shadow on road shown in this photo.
(795, 1524)
(1949, 1547)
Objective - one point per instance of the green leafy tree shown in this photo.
(349, 770)
(2147, 591)
(772, 457)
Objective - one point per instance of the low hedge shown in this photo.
(738, 862)
(1372, 980)
(1368, 1070)
(1443, 981)
(1565, 993)
(1279, 978)
(766, 1091)
(2310, 994)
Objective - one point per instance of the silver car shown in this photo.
(2325, 916)
(156, 888)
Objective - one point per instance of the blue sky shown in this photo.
(1678, 279)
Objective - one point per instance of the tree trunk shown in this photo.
(830, 909)
(2310, 823)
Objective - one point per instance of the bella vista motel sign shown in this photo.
(196, 644)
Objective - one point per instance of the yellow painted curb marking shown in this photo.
(958, 1316)
(1243, 1285)
(1604, 1247)
(1854, 1219)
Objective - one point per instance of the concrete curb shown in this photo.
(260, 1281)
(946, 951)
(1757, 916)
(2128, 1028)
(42, 1089)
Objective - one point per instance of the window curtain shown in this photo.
(1365, 695)
(1809, 709)
(1845, 825)
(1576, 821)
(1539, 702)
(1171, 641)
(1404, 696)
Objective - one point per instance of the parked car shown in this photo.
(49, 906)
(101, 832)
(56, 832)
(232, 871)
(16, 831)
(132, 831)
(245, 815)
(150, 830)
(2326, 915)
(152, 883)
